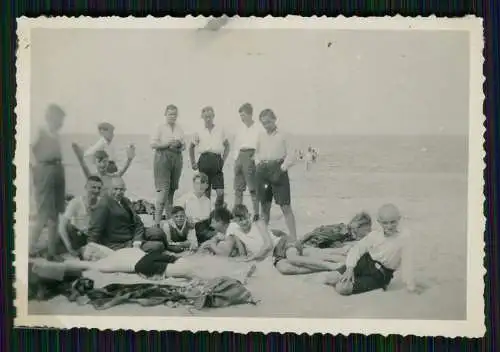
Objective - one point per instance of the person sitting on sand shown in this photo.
(102, 163)
(155, 266)
(113, 222)
(371, 263)
(197, 207)
(74, 223)
(106, 133)
(180, 233)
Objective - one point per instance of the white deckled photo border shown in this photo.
(473, 326)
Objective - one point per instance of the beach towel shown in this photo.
(144, 294)
(223, 292)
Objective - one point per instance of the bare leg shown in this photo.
(53, 237)
(328, 254)
(169, 202)
(238, 198)
(287, 268)
(209, 267)
(255, 202)
(266, 212)
(159, 207)
(36, 231)
(219, 201)
(290, 220)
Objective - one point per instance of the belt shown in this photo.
(265, 162)
(51, 162)
(246, 150)
(210, 152)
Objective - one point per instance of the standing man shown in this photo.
(213, 147)
(107, 134)
(168, 144)
(244, 167)
(48, 178)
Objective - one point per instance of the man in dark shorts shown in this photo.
(371, 263)
(213, 147)
(274, 158)
(48, 178)
(168, 144)
(244, 166)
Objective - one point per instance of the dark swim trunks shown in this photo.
(369, 275)
(154, 264)
(50, 189)
(211, 164)
(272, 182)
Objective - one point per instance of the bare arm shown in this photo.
(267, 245)
(226, 150)
(130, 157)
(99, 145)
(63, 224)
(81, 159)
(192, 147)
(290, 157)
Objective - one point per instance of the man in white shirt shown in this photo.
(371, 263)
(168, 144)
(107, 133)
(244, 167)
(197, 207)
(213, 147)
(74, 223)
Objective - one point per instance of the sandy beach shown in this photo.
(431, 192)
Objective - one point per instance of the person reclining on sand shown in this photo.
(197, 207)
(371, 263)
(74, 223)
(101, 158)
(332, 242)
(240, 237)
(289, 259)
(154, 265)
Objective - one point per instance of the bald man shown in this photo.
(371, 263)
(114, 223)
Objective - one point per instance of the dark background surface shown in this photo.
(83, 340)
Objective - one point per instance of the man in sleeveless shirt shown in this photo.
(48, 178)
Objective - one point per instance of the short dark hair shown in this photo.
(246, 108)
(106, 126)
(101, 154)
(267, 112)
(94, 178)
(171, 107)
(222, 214)
(207, 108)
(240, 211)
(177, 209)
(201, 176)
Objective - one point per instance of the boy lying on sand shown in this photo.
(240, 237)
(154, 266)
(371, 263)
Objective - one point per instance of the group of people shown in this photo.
(103, 230)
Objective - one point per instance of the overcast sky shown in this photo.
(317, 81)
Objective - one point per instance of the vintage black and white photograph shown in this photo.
(298, 174)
